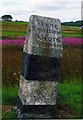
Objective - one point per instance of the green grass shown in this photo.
(78, 35)
(9, 115)
(9, 96)
(13, 22)
(13, 33)
(19, 29)
(69, 92)
(71, 31)
(14, 28)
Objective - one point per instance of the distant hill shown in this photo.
(71, 23)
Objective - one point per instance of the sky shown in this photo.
(65, 10)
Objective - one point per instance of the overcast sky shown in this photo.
(65, 10)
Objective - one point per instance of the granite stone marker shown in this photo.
(40, 68)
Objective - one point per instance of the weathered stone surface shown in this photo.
(37, 92)
(41, 67)
(44, 37)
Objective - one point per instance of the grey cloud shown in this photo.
(9, 3)
(19, 12)
(51, 7)
(22, 12)
(57, 6)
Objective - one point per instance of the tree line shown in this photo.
(76, 23)
(6, 18)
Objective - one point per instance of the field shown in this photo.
(69, 88)
(10, 29)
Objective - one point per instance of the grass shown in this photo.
(9, 95)
(71, 63)
(13, 22)
(78, 35)
(19, 28)
(9, 115)
(71, 31)
(14, 28)
(69, 94)
(13, 33)
(12, 62)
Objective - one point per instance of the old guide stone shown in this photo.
(40, 68)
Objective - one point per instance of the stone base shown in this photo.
(35, 111)
(36, 99)
(37, 92)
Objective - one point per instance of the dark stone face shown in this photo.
(40, 68)
(36, 111)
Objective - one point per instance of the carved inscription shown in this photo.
(44, 35)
